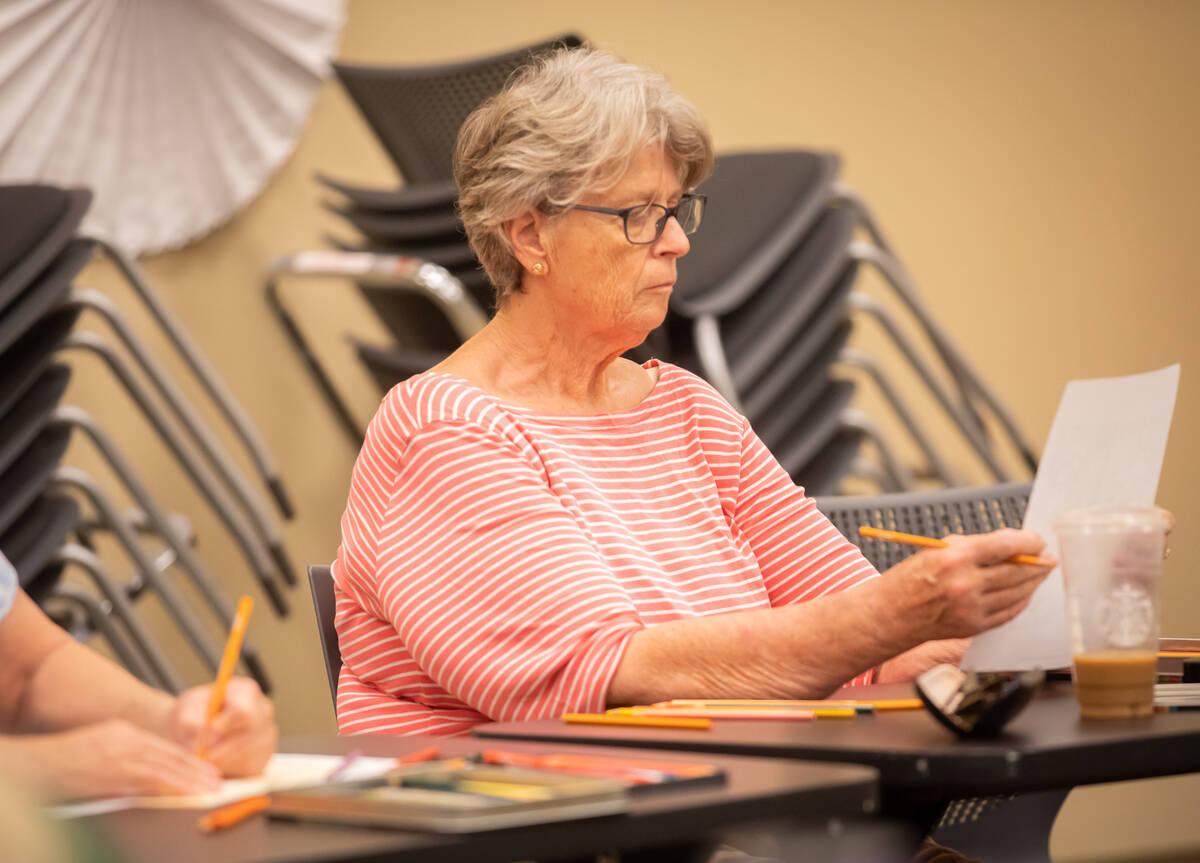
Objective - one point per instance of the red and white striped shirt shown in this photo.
(496, 560)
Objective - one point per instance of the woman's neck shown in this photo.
(536, 362)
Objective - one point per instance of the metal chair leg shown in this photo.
(154, 659)
(131, 659)
(204, 373)
(894, 273)
(256, 555)
(855, 358)
(399, 272)
(65, 476)
(867, 305)
(898, 477)
(208, 445)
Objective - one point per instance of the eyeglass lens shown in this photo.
(646, 224)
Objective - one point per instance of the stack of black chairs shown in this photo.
(416, 113)
(764, 308)
(44, 529)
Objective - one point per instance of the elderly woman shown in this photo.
(538, 525)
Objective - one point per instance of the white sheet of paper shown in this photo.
(1105, 447)
(284, 770)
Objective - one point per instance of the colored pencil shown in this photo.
(570, 761)
(233, 813)
(865, 706)
(233, 647)
(343, 765)
(765, 707)
(644, 721)
(930, 542)
(742, 712)
(428, 753)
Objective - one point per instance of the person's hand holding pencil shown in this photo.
(230, 723)
(965, 585)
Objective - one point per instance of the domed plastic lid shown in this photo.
(1114, 519)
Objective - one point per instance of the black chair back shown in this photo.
(416, 111)
(320, 582)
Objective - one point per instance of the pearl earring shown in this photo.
(539, 269)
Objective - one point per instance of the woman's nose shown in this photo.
(673, 240)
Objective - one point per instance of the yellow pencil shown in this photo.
(769, 703)
(724, 712)
(647, 721)
(233, 647)
(930, 542)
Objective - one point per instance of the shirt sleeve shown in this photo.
(494, 588)
(801, 554)
(8, 585)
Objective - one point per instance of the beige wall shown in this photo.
(1033, 162)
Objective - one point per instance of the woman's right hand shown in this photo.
(968, 587)
(114, 757)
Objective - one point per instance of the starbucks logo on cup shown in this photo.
(1126, 616)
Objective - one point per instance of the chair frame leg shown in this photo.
(257, 556)
(70, 477)
(205, 374)
(203, 438)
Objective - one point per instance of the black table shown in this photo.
(926, 772)
(663, 825)
(1046, 746)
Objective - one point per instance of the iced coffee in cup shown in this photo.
(1112, 559)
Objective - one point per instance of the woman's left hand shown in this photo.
(921, 658)
(241, 738)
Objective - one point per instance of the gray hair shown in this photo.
(571, 122)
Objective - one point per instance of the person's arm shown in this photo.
(51, 682)
(809, 649)
(492, 586)
(801, 554)
(77, 712)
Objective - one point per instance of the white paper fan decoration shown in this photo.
(174, 112)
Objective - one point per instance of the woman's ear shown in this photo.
(525, 234)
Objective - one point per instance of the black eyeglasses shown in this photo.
(645, 223)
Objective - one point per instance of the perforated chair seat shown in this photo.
(416, 111)
(934, 513)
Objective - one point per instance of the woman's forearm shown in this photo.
(807, 650)
(796, 651)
